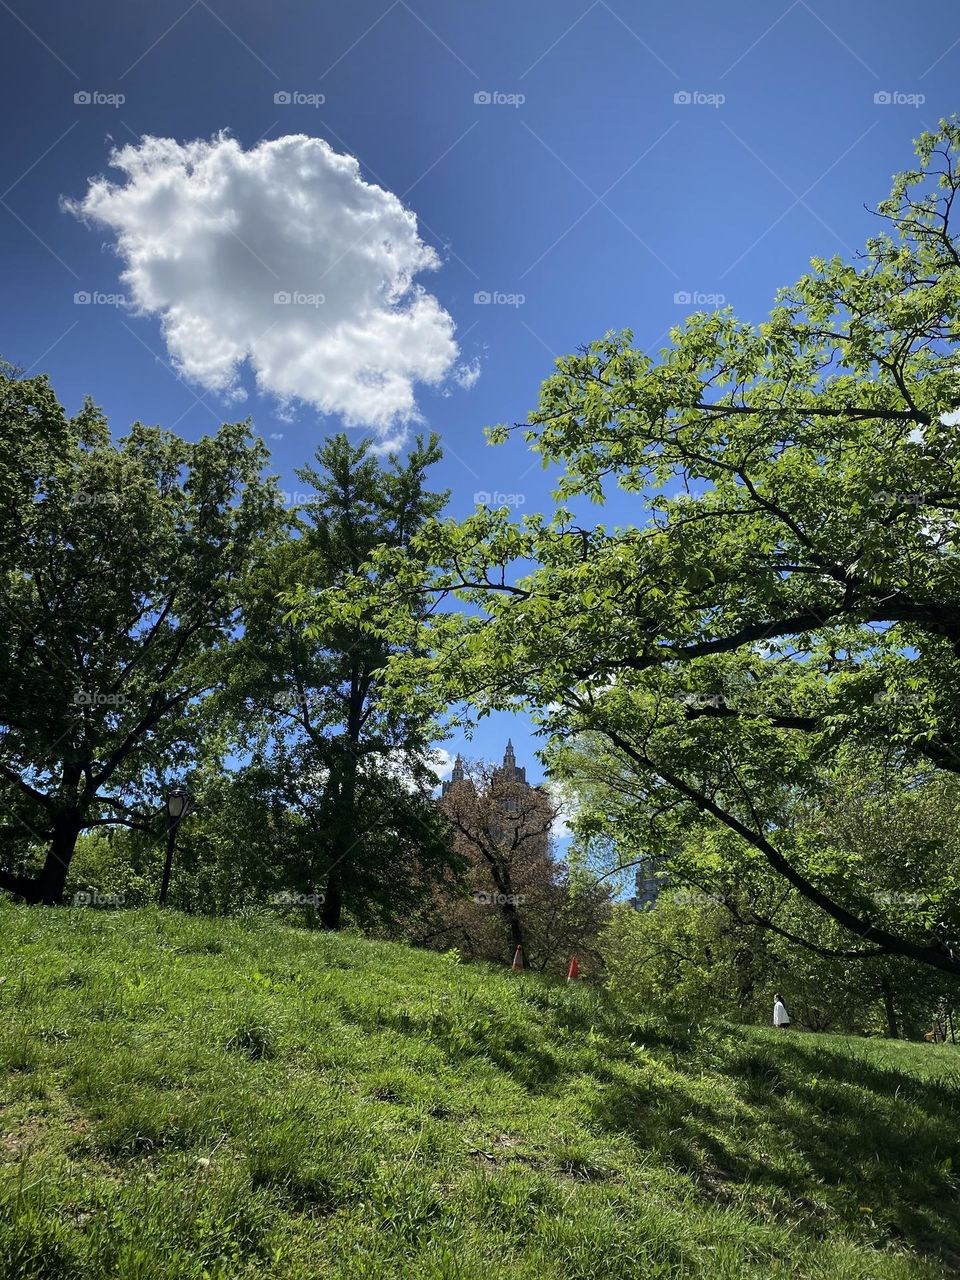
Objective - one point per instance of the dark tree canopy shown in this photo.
(119, 568)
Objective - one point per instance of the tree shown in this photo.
(306, 695)
(790, 588)
(728, 931)
(512, 890)
(501, 827)
(874, 826)
(119, 566)
(684, 955)
(702, 956)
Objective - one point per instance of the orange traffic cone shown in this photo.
(518, 959)
(574, 971)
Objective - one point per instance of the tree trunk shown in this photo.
(890, 1011)
(332, 908)
(515, 929)
(49, 884)
(345, 840)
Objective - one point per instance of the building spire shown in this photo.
(509, 770)
(457, 775)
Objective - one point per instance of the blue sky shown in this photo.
(582, 165)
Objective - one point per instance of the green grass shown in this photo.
(191, 1098)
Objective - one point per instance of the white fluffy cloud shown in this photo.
(441, 761)
(283, 256)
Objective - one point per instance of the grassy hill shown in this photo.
(192, 1098)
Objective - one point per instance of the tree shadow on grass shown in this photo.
(812, 1132)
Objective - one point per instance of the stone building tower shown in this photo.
(510, 771)
(511, 802)
(455, 777)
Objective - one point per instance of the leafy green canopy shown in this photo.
(873, 833)
(790, 584)
(119, 568)
(352, 772)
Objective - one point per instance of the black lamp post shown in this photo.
(178, 802)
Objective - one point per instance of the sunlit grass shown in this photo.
(193, 1098)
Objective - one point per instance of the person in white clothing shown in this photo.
(780, 1016)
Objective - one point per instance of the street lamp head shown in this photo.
(178, 799)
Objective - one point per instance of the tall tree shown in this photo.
(791, 581)
(877, 830)
(119, 566)
(355, 768)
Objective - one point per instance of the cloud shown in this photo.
(467, 375)
(441, 761)
(398, 764)
(284, 257)
(561, 829)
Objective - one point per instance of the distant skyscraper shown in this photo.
(647, 884)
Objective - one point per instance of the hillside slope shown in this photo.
(192, 1098)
